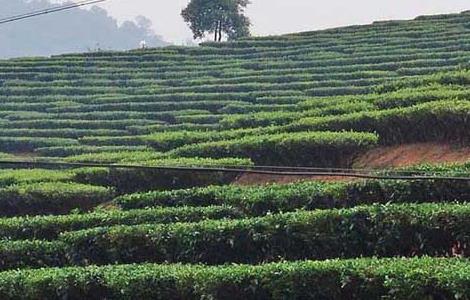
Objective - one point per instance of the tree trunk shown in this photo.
(216, 31)
(220, 31)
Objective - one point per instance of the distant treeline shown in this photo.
(76, 30)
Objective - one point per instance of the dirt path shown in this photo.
(382, 157)
(412, 154)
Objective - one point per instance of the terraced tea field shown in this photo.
(317, 99)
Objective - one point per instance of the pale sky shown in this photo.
(285, 16)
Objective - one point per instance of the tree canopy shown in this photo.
(217, 17)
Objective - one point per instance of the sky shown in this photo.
(284, 16)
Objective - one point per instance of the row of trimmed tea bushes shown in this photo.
(313, 41)
(212, 106)
(5, 156)
(233, 75)
(452, 169)
(244, 107)
(250, 97)
(179, 76)
(45, 71)
(285, 117)
(224, 62)
(338, 45)
(149, 129)
(205, 88)
(305, 195)
(168, 140)
(378, 230)
(189, 81)
(42, 107)
(51, 198)
(29, 144)
(173, 76)
(39, 191)
(165, 116)
(432, 121)
(365, 278)
(320, 149)
(67, 133)
(25, 176)
(134, 180)
(283, 78)
(382, 66)
(126, 180)
(165, 141)
(50, 227)
(210, 55)
(75, 124)
(246, 97)
(137, 157)
(62, 151)
(199, 119)
(103, 141)
(246, 87)
(413, 96)
(459, 77)
(402, 98)
(321, 58)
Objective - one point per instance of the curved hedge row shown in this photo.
(403, 230)
(29, 144)
(134, 180)
(12, 176)
(51, 198)
(433, 121)
(50, 227)
(383, 231)
(417, 278)
(320, 149)
(303, 195)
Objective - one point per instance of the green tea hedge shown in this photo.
(319, 149)
(51, 198)
(418, 278)
(304, 195)
(446, 121)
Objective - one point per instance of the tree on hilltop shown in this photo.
(217, 17)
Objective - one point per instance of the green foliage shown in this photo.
(461, 77)
(306, 195)
(165, 141)
(216, 16)
(399, 278)
(62, 151)
(50, 227)
(29, 144)
(12, 177)
(50, 198)
(132, 180)
(320, 149)
(377, 230)
(308, 99)
(432, 121)
(136, 157)
(396, 230)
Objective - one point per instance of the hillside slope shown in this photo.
(335, 98)
(404, 80)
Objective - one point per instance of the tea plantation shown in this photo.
(312, 99)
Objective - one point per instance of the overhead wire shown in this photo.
(48, 11)
(237, 170)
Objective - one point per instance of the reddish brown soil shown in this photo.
(412, 154)
(259, 179)
(382, 157)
